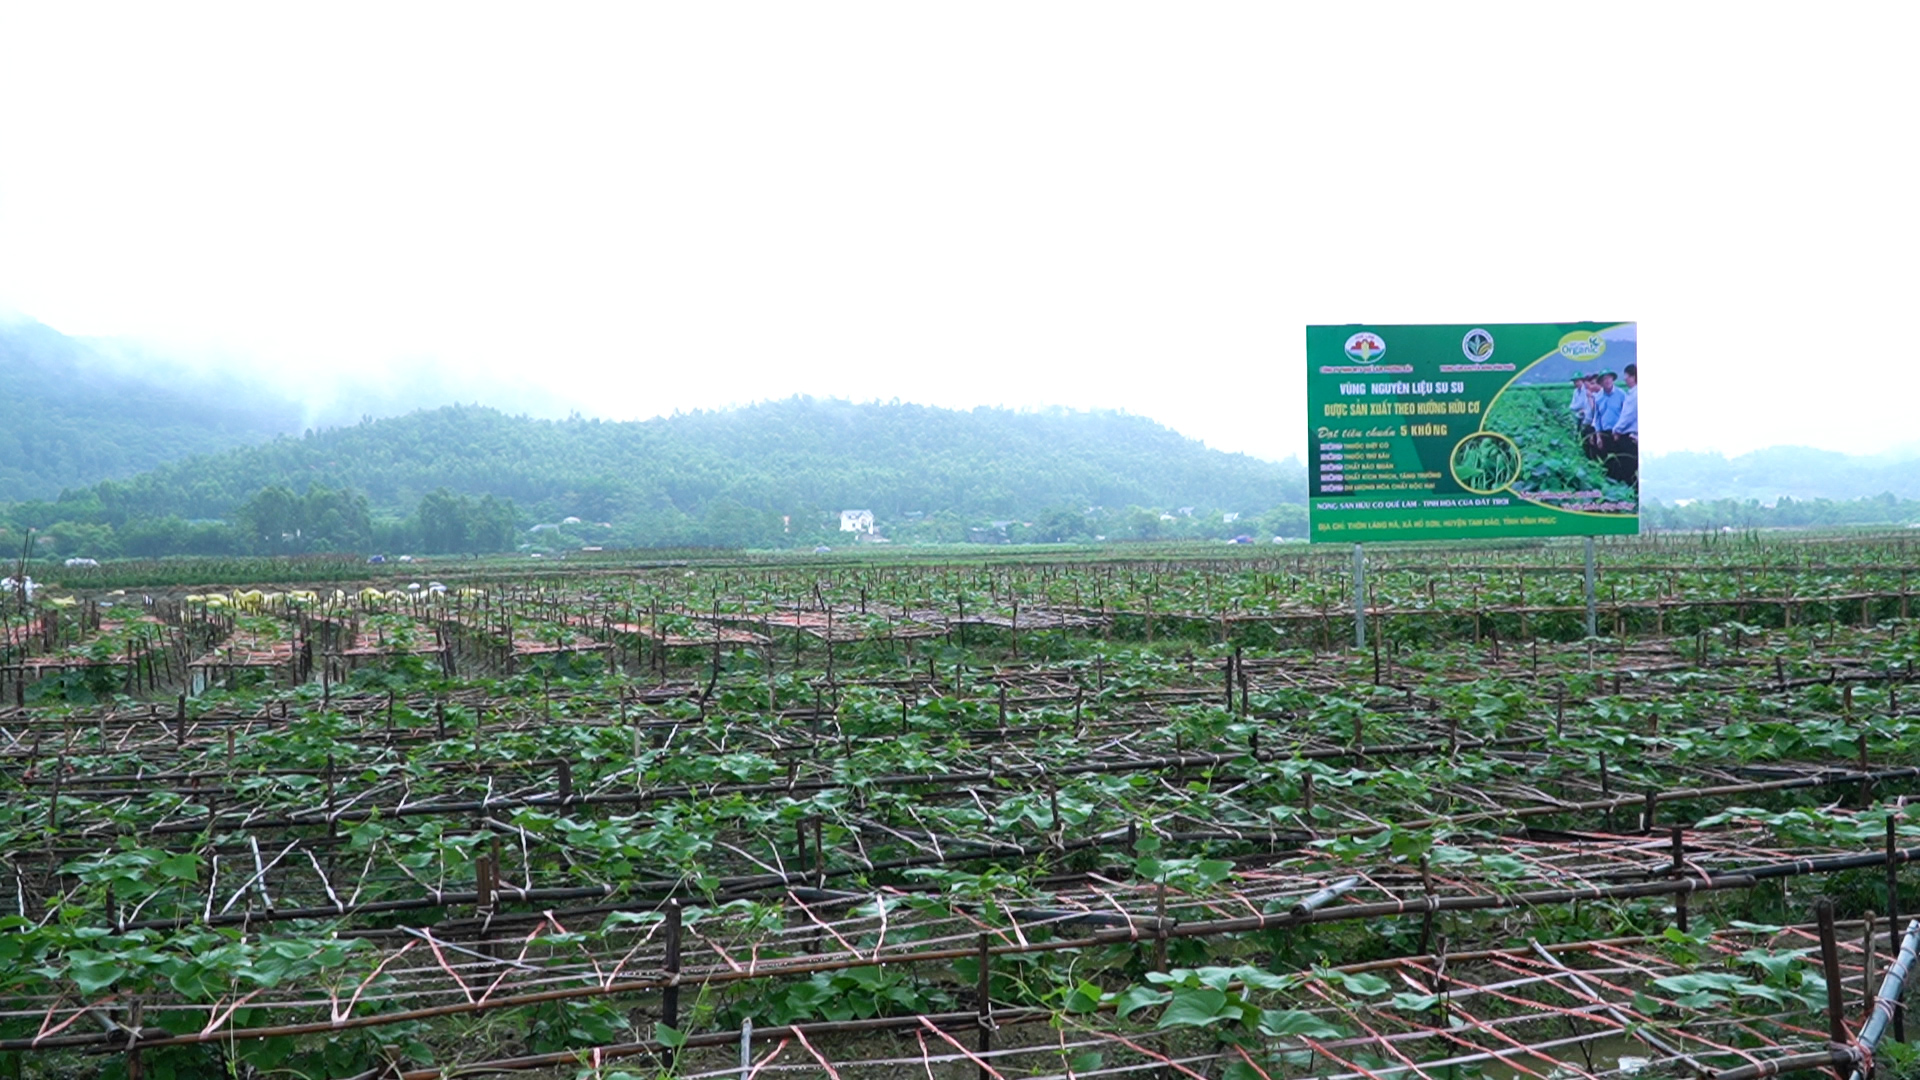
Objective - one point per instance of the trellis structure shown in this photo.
(1001, 805)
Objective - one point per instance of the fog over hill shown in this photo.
(75, 416)
(1795, 472)
(81, 410)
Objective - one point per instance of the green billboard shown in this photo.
(1472, 430)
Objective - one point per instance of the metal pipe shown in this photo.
(1328, 895)
(1886, 1003)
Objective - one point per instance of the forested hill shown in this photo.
(769, 473)
(74, 417)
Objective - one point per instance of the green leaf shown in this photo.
(1085, 998)
(94, 971)
(1365, 984)
(1212, 871)
(1285, 1023)
(1775, 964)
(182, 867)
(631, 918)
(667, 1036)
(1409, 844)
(1680, 937)
(1261, 979)
(1137, 998)
(1352, 848)
(1199, 1008)
(1505, 866)
(1218, 978)
(1699, 980)
(1086, 1061)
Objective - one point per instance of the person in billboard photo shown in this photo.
(1582, 405)
(1606, 412)
(1623, 438)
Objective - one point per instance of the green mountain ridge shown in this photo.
(772, 473)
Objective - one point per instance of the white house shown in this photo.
(856, 521)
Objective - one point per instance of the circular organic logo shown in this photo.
(1478, 345)
(1365, 347)
(1485, 462)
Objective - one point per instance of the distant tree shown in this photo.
(1289, 521)
(78, 538)
(444, 522)
(1142, 524)
(1062, 523)
(271, 519)
(335, 520)
(727, 523)
(453, 524)
(494, 525)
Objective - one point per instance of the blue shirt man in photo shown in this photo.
(1627, 421)
(1606, 405)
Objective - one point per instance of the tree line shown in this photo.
(276, 520)
(1784, 513)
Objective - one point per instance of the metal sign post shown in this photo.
(1360, 597)
(1593, 611)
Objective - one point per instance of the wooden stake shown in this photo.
(984, 1002)
(1830, 963)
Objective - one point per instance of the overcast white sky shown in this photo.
(649, 207)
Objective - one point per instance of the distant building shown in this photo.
(1229, 517)
(856, 521)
